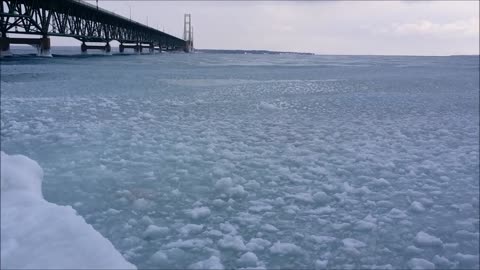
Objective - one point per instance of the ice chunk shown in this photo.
(351, 246)
(442, 262)
(397, 214)
(260, 208)
(381, 182)
(218, 202)
(237, 191)
(269, 228)
(154, 231)
(364, 225)
(190, 243)
(159, 258)
(319, 264)
(146, 220)
(252, 184)
(248, 259)
(227, 186)
(232, 242)
(467, 259)
(257, 244)
(353, 243)
(267, 106)
(191, 229)
(224, 184)
(417, 207)
(413, 250)
(418, 263)
(321, 197)
(112, 211)
(286, 248)
(213, 263)
(320, 239)
(425, 239)
(302, 197)
(199, 212)
(227, 227)
(141, 204)
(215, 233)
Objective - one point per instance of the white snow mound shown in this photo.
(21, 174)
(37, 234)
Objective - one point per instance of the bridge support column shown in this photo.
(106, 48)
(151, 48)
(4, 46)
(43, 48)
(138, 48)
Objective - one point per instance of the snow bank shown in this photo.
(38, 234)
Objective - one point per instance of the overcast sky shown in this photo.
(354, 27)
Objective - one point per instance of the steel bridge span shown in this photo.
(80, 20)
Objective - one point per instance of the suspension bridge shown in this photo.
(95, 27)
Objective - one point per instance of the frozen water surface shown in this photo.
(223, 161)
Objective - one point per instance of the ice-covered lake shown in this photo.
(270, 161)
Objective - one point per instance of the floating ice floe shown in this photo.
(248, 259)
(232, 242)
(159, 258)
(258, 244)
(154, 231)
(425, 239)
(419, 263)
(199, 212)
(191, 229)
(212, 263)
(286, 249)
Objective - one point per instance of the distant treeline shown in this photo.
(248, 52)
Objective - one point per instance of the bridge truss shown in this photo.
(77, 19)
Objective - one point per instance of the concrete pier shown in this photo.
(41, 44)
(105, 48)
(137, 48)
(4, 46)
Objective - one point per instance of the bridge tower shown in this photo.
(188, 32)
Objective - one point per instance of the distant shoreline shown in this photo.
(249, 52)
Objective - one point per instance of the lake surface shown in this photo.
(270, 161)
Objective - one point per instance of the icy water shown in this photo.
(270, 161)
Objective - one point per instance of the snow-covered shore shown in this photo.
(37, 234)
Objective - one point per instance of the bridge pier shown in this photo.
(151, 48)
(42, 45)
(43, 48)
(4, 46)
(137, 48)
(105, 48)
